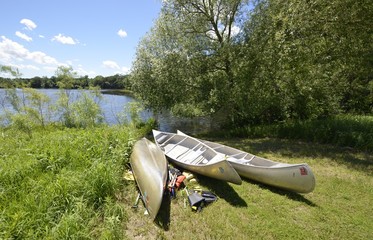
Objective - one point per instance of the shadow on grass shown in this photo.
(357, 160)
(222, 190)
(291, 195)
(163, 217)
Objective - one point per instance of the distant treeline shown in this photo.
(111, 82)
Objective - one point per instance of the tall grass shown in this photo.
(63, 183)
(354, 131)
(62, 180)
(29, 108)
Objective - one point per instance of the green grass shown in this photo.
(354, 131)
(61, 183)
(340, 207)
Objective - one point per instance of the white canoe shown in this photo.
(193, 155)
(293, 177)
(149, 167)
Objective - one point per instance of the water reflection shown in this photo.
(169, 123)
(114, 105)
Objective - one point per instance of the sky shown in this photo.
(94, 37)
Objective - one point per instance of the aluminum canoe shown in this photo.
(195, 156)
(292, 177)
(149, 167)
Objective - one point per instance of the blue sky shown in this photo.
(94, 37)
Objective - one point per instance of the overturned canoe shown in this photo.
(193, 155)
(149, 167)
(293, 177)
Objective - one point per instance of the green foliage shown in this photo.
(87, 111)
(39, 109)
(131, 116)
(64, 183)
(355, 131)
(132, 111)
(65, 77)
(309, 51)
(29, 108)
(302, 60)
(186, 59)
(81, 110)
(63, 106)
(12, 71)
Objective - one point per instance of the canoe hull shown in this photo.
(297, 178)
(220, 170)
(149, 167)
(193, 155)
(293, 177)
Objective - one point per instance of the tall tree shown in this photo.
(290, 60)
(185, 62)
(314, 57)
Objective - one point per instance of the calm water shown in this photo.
(114, 105)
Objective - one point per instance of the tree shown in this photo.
(185, 62)
(290, 60)
(65, 77)
(311, 56)
(12, 71)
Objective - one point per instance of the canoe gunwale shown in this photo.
(293, 177)
(216, 165)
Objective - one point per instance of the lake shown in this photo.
(113, 105)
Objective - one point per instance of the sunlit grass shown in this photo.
(63, 183)
(338, 208)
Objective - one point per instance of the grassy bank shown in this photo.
(355, 131)
(67, 183)
(63, 183)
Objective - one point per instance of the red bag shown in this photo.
(179, 180)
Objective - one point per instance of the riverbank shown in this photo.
(122, 92)
(68, 183)
(353, 131)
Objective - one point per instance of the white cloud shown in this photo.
(113, 65)
(121, 33)
(110, 64)
(50, 69)
(82, 72)
(24, 36)
(41, 58)
(126, 70)
(30, 25)
(12, 51)
(41, 36)
(64, 39)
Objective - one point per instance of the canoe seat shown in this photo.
(174, 146)
(237, 155)
(243, 160)
(162, 139)
(187, 150)
(196, 156)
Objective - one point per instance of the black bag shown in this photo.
(209, 196)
